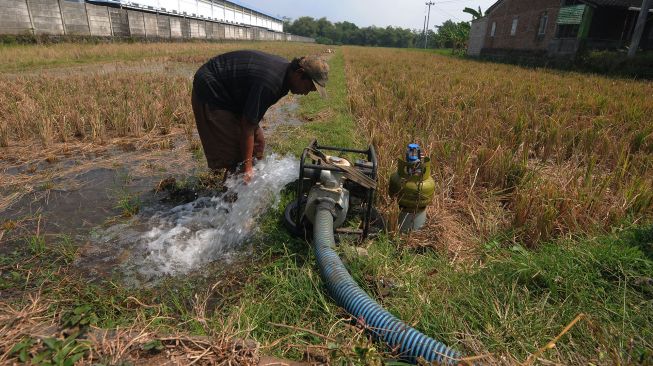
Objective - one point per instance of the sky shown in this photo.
(381, 13)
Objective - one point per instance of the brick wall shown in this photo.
(528, 13)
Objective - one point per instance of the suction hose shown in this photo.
(410, 343)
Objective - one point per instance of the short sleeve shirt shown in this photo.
(244, 82)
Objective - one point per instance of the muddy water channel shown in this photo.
(109, 201)
(170, 240)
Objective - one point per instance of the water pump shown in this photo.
(325, 175)
(329, 190)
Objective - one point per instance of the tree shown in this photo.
(287, 24)
(453, 34)
(305, 26)
(326, 29)
(476, 14)
(345, 32)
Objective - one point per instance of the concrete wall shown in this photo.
(119, 22)
(175, 27)
(136, 20)
(185, 27)
(15, 17)
(151, 25)
(76, 17)
(477, 36)
(98, 20)
(164, 25)
(46, 16)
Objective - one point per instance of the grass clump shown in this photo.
(515, 301)
(326, 119)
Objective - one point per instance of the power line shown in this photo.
(451, 15)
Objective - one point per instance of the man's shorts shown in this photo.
(219, 131)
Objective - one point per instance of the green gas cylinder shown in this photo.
(413, 187)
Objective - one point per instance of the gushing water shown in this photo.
(188, 236)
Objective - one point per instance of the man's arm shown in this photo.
(247, 132)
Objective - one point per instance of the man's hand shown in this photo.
(248, 175)
(247, 132)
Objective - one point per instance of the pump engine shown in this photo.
(345, 177)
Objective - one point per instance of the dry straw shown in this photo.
(533, 153)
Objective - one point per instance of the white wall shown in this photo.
(203, 9)
(188, 6)
(218, 12)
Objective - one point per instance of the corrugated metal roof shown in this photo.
(618, 3)
(571, 14)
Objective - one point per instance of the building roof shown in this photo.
(619, 3)
(492, 7)
(616, 3)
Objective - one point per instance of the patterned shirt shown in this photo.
(244, 82)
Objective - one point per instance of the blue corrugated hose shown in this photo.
(410, 343)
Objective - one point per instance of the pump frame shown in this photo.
(303, 188)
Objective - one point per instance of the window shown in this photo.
(513, 30)
(494, 29)
(544, 21)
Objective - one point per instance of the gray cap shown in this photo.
(318, 70)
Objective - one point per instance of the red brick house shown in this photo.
(556, 27)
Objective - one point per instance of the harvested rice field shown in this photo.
(119, 246)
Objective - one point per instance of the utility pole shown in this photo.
(639, 28)
(428, 20)
(424, 28)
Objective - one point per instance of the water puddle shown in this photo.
(284, 114)
(71, 195)
(177, 240)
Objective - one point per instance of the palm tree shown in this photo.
(476, 14)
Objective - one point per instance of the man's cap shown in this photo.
(318, 70)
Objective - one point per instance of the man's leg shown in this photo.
(259, 144)
(219, 132)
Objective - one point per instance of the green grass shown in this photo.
(328, 120)
(511, 303)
